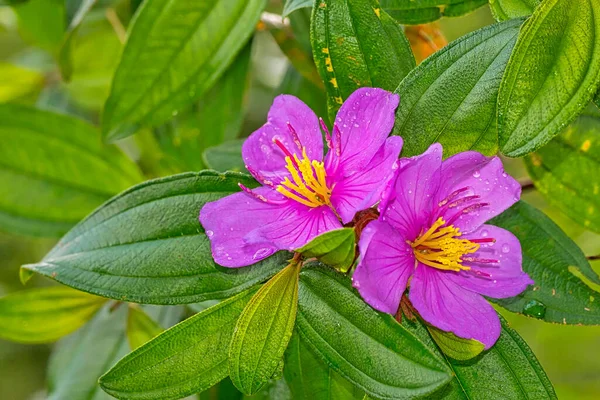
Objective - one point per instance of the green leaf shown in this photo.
(80, 359)
(311, 379)
(45, 314)
(295, 84)
(186, 359)
(356, 44)
(198, 40)
(54, 171)
(389, 361)
(455, 347)
(292, 5)
(17, 82)
(76, 10)
(147, 246)
(413, 12)
(561, 171)
(508, 9)
(263, 331)
(225, 157)
(459, 86)
(552, 75)
(41, 22)
(548, 257)
(508, 370)
(140, 327)
(335, 248)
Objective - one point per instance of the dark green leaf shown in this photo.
(186, 359)
(263, 331)
(509, 370)
(311, 379)
(451, 97)
(147, 246)
(54, 171)
(561, 171)
(356, 44)
(507, 9)
(140, 327)
(293, 5)
(455, 347)
(413, 12)
(225, 157)
(549, 256)
(364, 346)
(198, 40)
(335, 248)
(46, 314)
(80, 359)
(552, 75)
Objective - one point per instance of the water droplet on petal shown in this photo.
(535, 309)
(209, 233)
(476, 174)
(356, 125)
(504, 174)
(505, 248)
(262, 253)
(484, 233)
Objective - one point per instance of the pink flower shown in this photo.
(304, 194)
(431, 236)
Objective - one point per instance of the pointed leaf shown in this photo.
(390, 362)
(292, 5)
(335, 248)
(140, 327)
(549, 256)
(413, 12)
(454, 346)
(508, 9)
(459, 86)
(186, 359)
(263, 331)
(147, 246)
(45, 314)
(552, 75)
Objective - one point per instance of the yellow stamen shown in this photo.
(309, 186)
(439, 247)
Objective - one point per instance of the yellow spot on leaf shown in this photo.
(334, 82)
(338, 100)
(325, 50)
(585, 146)
(377, 12)
(536, 159)
(328, 64)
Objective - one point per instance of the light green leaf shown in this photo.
(311, 379)
(225, 157)
(335, 248)
(413, 12)
(16, 82)
(356, 44)
(293, 5)
(147, 246)
(41, 22)
(459, 86)
(390, 361)
(140, 327)
(46, 314)
(455, 347)
(548, 255)
(54, 171)
(186, 359)
(552, 75)
(263, 331)
(76, 10)
(198, 40)
(507, 9)
(78, 360)
(508, 370)
(561, 171)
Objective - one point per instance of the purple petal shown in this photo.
(499, 280)
(363, 189)
(265, 159)
(228, 220)
(408, 206)
(296, 226)
(484, 177)
(446, 305)
(364, 121)
(386, 263)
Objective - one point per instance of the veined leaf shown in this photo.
(356, 44)
(140, 327)
(508, 370)
(455, 347)
(507, 9)
(186, 359)
(147, 246)
(175, 51)
(45, 314)
(335, 248)
(390, 362)
(413, 12)
(311, 379)
(561, 171)
(548, 257)
(451, 97)
(54, 171)
(552, 75)
(263, 331)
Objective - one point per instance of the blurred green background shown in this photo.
(30, 37)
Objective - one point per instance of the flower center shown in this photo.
(439, 247)
(308, 185)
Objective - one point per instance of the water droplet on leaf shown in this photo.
(535, 309)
